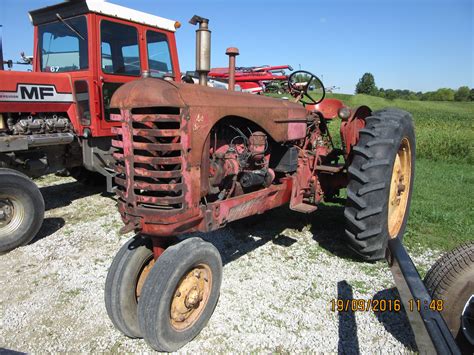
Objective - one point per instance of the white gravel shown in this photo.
(276, 293)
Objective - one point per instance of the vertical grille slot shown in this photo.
(157, 160)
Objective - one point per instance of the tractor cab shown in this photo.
(101, 46)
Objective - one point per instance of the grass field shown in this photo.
(442, 213)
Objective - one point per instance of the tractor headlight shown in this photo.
(344, 113)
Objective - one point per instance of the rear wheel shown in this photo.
(451, 279)
(180, 294)
(124, 284)
(21, 209)
(381, 182)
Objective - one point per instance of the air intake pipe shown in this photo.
(203, 48)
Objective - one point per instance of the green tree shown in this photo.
(471, 95)
(462, 94)
(390, 94)
(366, 85)
(443, 94)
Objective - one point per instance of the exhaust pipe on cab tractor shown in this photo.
(203, 48)
(1, 48)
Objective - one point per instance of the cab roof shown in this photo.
(79, 7)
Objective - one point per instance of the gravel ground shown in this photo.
(280, 274)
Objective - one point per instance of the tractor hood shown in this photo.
(214, 104)
(34, 92)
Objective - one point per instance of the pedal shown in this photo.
(304, 208)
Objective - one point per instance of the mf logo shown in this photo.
(36, 92)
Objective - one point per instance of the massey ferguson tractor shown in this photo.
(190, 158)
(58, 116)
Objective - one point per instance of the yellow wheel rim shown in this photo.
(190, 297)
(399, 188)
(146, 268)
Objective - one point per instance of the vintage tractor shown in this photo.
(58, 116)
(191, 158)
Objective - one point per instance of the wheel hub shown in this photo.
(467, 320)
(12, 215)
(190, 297)
(399, 188)
(6, 212)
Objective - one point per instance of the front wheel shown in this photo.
(180, 294)
(21, 209)
(124, 283)
(381, 183)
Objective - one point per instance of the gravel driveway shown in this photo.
(281, 272)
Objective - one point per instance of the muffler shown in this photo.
(203, 48)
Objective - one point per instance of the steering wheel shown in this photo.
(301, 83)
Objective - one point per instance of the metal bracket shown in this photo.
(432, 335)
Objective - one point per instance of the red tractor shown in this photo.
(190, 158)
(58, 116)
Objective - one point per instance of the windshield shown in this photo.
(63, 45)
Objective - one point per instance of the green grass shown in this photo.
(442, 211)
(444, 130)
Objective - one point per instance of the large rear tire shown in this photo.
(21, 209)
(381, 183)
(180, 294)
(451, 279)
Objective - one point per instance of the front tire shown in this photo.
(381, 183)
(124, 284)
(180, 294)
(451, 279)
(21, 209)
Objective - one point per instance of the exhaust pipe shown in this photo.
(1, 48)
(203, 48)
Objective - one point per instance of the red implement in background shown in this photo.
(256, 79)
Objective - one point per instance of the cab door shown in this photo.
(120, 61)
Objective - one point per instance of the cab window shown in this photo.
(63, 45)
(159, 58)
(119, 47)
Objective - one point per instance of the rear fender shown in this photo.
(350, 128)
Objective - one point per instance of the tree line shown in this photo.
(366, 85)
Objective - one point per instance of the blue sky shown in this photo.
(419, 45)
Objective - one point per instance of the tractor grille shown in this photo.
(149, 159)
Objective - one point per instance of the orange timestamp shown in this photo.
(368, 305)
(384, 305)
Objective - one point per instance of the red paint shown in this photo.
(95, 77)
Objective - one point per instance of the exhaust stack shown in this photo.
(1, 48)
(203, 48)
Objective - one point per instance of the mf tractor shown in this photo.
(58, 116)
(190, 158)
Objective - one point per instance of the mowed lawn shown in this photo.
(442, 213)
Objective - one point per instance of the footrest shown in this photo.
(304, 208)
